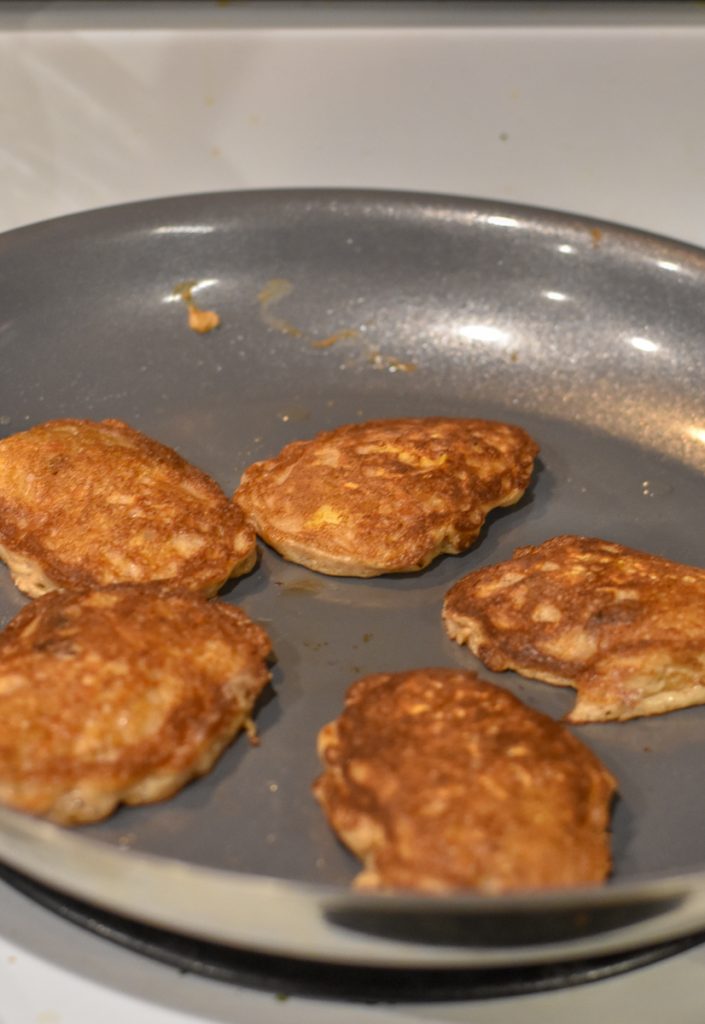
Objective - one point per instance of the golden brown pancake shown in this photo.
(385, 496)
(625, 628)
(85, 504)
(120, 694)
(439, 781)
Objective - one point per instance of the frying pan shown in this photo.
(338, 306)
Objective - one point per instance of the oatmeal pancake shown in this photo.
(86, 503)
(439, 781)
(121, 695)
(625, 628)
(385, 496)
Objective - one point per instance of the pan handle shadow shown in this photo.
(499, 928)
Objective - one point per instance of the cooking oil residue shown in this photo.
(333, 339)
(315, 645)
(302, 586)
(366, 639)
(295, 413)
(279, 288)
(199, 320)
(389, 363)
(273, 293)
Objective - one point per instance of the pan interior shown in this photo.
(343, 306)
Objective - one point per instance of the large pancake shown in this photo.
(86, 504)
(439, 781)
(625, 628)
(120, 694)
(385, 496)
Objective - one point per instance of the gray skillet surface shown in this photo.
(340, 306)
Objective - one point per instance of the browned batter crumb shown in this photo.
(202, 320)
(199, 320)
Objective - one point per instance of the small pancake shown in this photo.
(85, 504)
(625, 628)
(386, 496)
(120, 694)
(439, 781)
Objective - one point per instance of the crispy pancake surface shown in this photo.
(120, 694)
(625, 628)
(385, 496)
(86, 503)
(439, 781)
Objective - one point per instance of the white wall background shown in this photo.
(590, 108)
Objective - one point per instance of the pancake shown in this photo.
(625, 628)
(439, 781)
(120, 694)
(386, 496)
(85, 504)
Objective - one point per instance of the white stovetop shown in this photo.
(592, 108)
